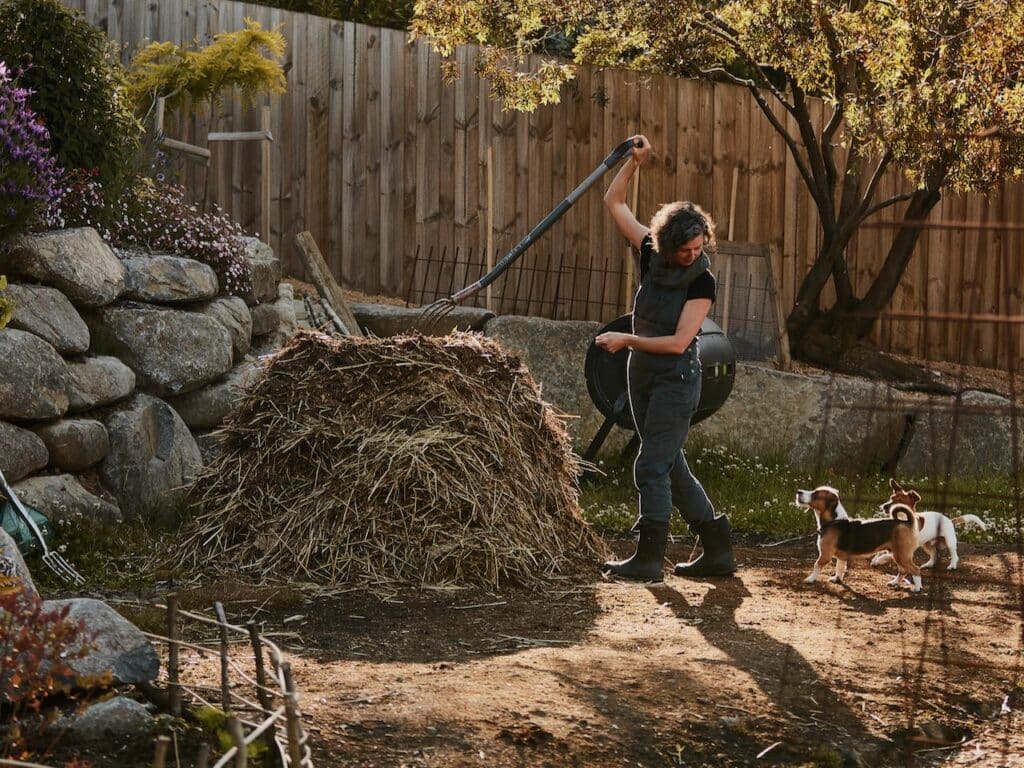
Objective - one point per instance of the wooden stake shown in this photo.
(160, 752)
(203, 755)
(262, 694)
(490, 221)
(265, 175)
(238, 736)
(292, 721)
(173, 689)
(727, 276)
(785, 360)
(225, 690)
(320, 275)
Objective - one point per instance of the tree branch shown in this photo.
(821, 190)
(884, 204)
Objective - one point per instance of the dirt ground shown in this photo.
(760, 669)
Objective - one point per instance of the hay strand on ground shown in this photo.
(377, 462)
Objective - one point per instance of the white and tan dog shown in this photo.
(933, 527)
(842, 537)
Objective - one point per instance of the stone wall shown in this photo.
(115, 366)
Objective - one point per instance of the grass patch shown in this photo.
(758, 494)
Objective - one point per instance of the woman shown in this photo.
(675, 295)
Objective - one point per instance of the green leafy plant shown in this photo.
(75, 84)
(248, 59)
(215, 722)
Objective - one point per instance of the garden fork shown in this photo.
(52, 560)
(433, 314)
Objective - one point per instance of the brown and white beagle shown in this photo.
(842, 537)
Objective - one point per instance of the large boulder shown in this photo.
(74, 444)
(119, 647)
(21, 452)
(62, 497)
(96, 381)
(152, 457)
(118, 718)
(48, 314)
(822, 422)
(554, 351)
(12, 564)
(33, 377)
(233, 313)
(170, 351)
(266, 271)
(165, 279)
(969, 435)
(74, 261)
(207, 407)
(265, 320)
(388, 320)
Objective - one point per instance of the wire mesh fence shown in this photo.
(561, 288)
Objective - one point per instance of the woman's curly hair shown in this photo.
(677, 223)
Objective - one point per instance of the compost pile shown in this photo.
(379, 462)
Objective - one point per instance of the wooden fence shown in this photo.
(377, 156)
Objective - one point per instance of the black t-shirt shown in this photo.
(702, 287)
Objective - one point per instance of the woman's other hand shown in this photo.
(613, 342)
(643, 152)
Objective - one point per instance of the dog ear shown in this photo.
(915, 496)
(896, 487)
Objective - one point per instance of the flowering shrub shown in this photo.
(27, 171)
(156, 217)
(75, 82)
(36, 648)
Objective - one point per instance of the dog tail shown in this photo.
(969, 520)
(902, 514)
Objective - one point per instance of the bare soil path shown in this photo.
(683, 673)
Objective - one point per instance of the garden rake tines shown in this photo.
(434, 313)
(52, 560)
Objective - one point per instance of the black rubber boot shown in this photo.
(647, 562)
(716, 559)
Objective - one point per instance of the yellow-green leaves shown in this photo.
(248, 59)
(6, 305)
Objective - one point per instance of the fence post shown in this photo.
(174, 689)
(264, 698)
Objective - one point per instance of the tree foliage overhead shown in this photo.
(379, 13)
(931, 86)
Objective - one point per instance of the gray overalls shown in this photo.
(664, 391)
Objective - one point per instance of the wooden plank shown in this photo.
(410, 64)
(352, 161)
(428, 142)
(368, 49)
(317, 179)
(392, 98)
(577, 166)
(336, 198)
(319, 274)
(597, 236)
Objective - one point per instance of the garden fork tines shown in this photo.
(52, 560)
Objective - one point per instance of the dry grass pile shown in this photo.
(376, 462)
